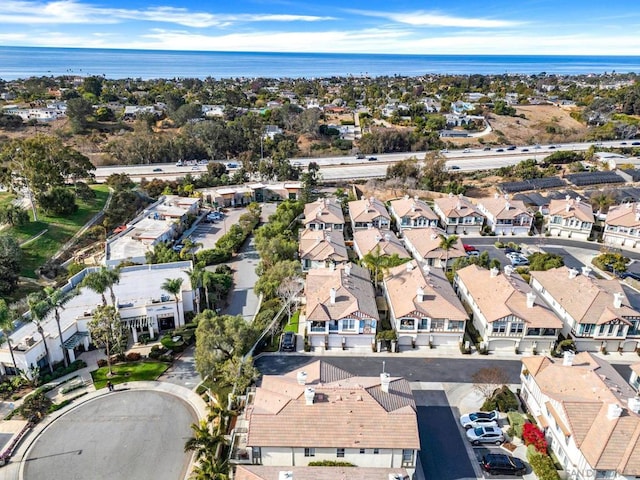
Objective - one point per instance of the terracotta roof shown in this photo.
(503, 295)
(350, 412)
(586, 299)
(570, 208)
(325, 210)
(322, 245)
(412, 208)
(582, 394)
(366, 210)
(354, 295)
(635, 367)
(457, 207)
(426, 241)
(626, 215)
(536, 364)
(264, 472)
(439, 299)
(372, 239)
(503, 208)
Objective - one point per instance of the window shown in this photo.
(499, 326)
(586, 329)
(437, 324)
(517, 327)
(348, 324)
(376, 451)
(362, 451)
(407, 458)
(423, 324)
(340, 453)
(309, 452)
(456, 325)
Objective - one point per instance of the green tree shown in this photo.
(204, 443)
(174, 287)
(97, 282)
(10, 259)
(545, 261)
(58, 201)
(7, 319)
(79, 111)
(13, 215)
(56, 300)
(270, 279)
(446, 244)
(105, 329)
(38, 309)
(196, 277)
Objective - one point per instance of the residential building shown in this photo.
(622, 225)
(263, 472)
(458, 215)
(340, 307)
(634, 379)
(424, 245)
(324, 214)
(321, 249)
(321, 412)
(368, 212)
(378, 242)
(506, 216)
(424, 309)
(161, 222)
(506, 312)
(596, 313)
(571, 218)
(144, 307)
(588, 413)
(412, 213)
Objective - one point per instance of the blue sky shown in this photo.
(582, 27)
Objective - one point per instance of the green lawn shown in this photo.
(129, 372)
(292, 326)
(59, 231)
(6, 198)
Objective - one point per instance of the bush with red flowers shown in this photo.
(532, 435)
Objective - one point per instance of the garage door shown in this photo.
(502, 345)
(629, 346)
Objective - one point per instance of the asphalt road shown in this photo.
(119, 436)
(447, 370)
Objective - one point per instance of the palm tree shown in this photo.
(204, 443)
(112, 277)
(376, 262)
(7, 317)
(98, 282)
(208, 281)
(56, 300)
(174, 287)
(39, 309)
(210, 469)
(196, 276)
(447, 243)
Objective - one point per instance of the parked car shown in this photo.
(469, 248)
(502, 464)
(508, 250)
(488, 434)
(479, 419)
(288, 343)
(473, 253)
(178, 247)
(519, 262)
(633, 275)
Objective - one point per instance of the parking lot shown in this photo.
(208, 233)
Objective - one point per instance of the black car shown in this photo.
(500, 150)
(632, 275)
(511, 147)
(635, 143)
(373, 159)
(288, 343)
(501, 464)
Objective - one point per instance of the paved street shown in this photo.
(119, 436)
(243, 301)
(183, 370)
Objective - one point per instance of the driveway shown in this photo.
(118, 436)
(243, 300)
(183, 370)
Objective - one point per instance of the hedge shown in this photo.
(503, 400)
(330, 463)
(542, 465)
(516, 422)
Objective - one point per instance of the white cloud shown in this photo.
(435, 19)
(75, 12)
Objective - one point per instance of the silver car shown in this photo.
(488, 434)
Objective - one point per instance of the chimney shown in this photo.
(426, 269)
(332, 295)
(508, 270)
(309, 394)
(494, 272)
(507, 205)
(567, 207)
(634, 404)
(420, 294)
(586, 271)
(531, 299)
(613, 411)
(567, 360)
(406, 197)
(332, 267)
(413, 207)
(573, 273)
(496, 195)
(302, 378)
(347, 269)
(285, 475)
(385, 380)
(416, 198)
(378, 238)
(409, 266)
(617, 300)
(387, 237)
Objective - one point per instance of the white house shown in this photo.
(424, 309)
(506, 312)
(588, 413)
(622, 225)
(458, 215)
(368, 212)
(571, 218)
(596, 313)
(140, 300)
(506, 216)
(412, 213)
(321, 412)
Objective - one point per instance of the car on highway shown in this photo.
(360, 156)
(623, 143)
(288, 342)
(195, 167)
(525, 150)
(511, 147)
(454, 167)
(486, 149)
(551, 147)
(635, 143)
(466, 150)
(488, 434)
(537, 147)
(373, 159)
(500, 150)
(157, 169)
(479, 419)
(179, 163)
(502, 464)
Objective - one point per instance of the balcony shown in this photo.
(239, 452)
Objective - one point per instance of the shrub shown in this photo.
(542, 465)
(133, 357)
(516, 422)
(213, 256)
(503, 400)
(330, 463)
(176, 346)
(102, 363)
(532, 435)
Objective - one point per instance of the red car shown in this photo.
(469, 248)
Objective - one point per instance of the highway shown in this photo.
(350, 167)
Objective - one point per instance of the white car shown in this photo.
(479, 419)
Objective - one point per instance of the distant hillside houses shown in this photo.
(42, 114)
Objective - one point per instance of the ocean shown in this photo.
(24, 62)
